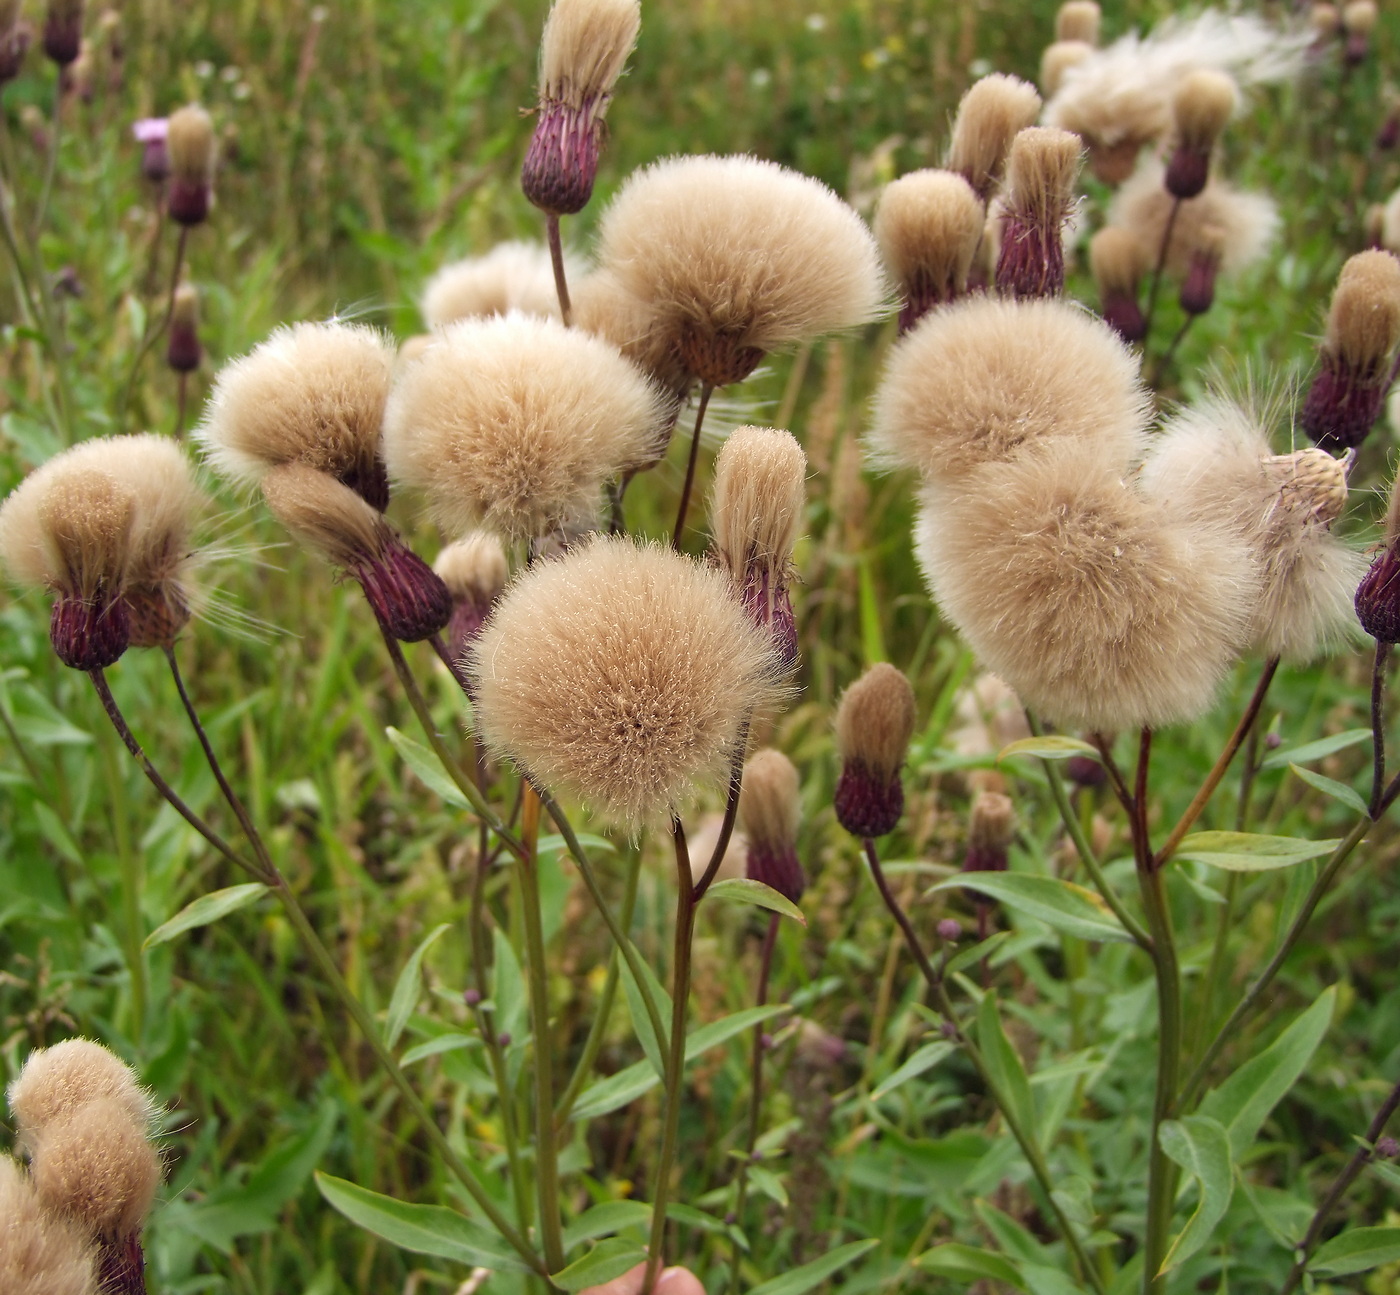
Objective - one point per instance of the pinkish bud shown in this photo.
(63, 31)
(562, 161)
(950, 930)
(89, 633)
(1198, 287)
(407, 595)
(1378, 598)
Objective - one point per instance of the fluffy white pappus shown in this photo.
(1124, 92)
(511, 276)
(516, 423)
(1243, 225)
(585, 47)
(41, 1253)
(1212, 463)
(1101, 613)
(986, 380)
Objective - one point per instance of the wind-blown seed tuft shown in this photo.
(585, 47)
(55, 1081)
(511, 276)
(991, 114)
(40, 1253)
(1078, 20)
(874, 724)
(622, 675)
(928, 224)
(769, 812)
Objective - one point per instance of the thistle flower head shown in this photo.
(990, 115)
(991, 826)
(410, 601)
(40, 1253)
(1201, 107)
(96, 1167)
(192, 151)
(622, 675)
(1118, 261)
(986, 380)
(15, 36)
(739, 257)
(1358, 353)
(1057, 60)
(516, 423)
(769, 812)
(1041, 174)
(474, 571)
(511, 276)
(1212, 463)
(605, 306)
(1099, 612)
(1078, 20)
(183, 351)
(312, 394)
(874, 724)
(63, 30)
(55, 1081)
(928, 224)
(1378, 595)
(759, 495)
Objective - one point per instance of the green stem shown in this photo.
(152, 335)
(51, 169)
(1378, 728)
(675, 1055)
(133, 883)
(705, 392)
(1157, 272)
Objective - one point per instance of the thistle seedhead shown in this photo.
(1041, 175)
(63, 31)
(1078, 20)
(474, 571)
(990, 829)
(1202, 106)
(769, 812)
(1057, 60)
(1198, 285)
(54, 1082)
(183, 352)
(991, 114)
(1118, 261)
(190, 143)
(928, 224)
(40, 1253)
(874, 724)
(511, 276)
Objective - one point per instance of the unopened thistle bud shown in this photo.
(408, 598)
(768, 813)
(190, 143)
(1358, 22)
(1041, 176)
(1378, 595)
(1198, 286)
(474, 571)
(928, 225)
(1388, 133)
(990, 828)
(1325, 21)
(1117, 261)
(584, 47)
(1203, 104)
(1057, 60)
(183, 352)
(1358, 352)
(992, 112)
(152, 133)
(63, 30)
(15, 36)
(756, 510)
(1078, 20)
(874, 723)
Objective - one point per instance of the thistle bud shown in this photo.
(582, 53)
(1203, 105)
(928, 225)
(1375, 225)
(990, 115)
(1325, 21)
(1078, 20)
(874, 723)
(990, 829)
(1378, 596)
(1358, 22)
(151, 133)
(1388, 133)
(15, 36)
(757, 506)
(408, 598)
(1041, 176)
(1198, 285)
(1057, 60)
(183, 352)
(474, 571)
(63, 30)
(1358, 352)
(769, 814)
(190, 142)
(1117, 262)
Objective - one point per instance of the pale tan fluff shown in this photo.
(606, 307)
(759, 496)
(992, 112)
(41, 1253)
(769, 808)
(473, 567)
(1202, 106)
(585, 47)
(875, 721)
(928, 224)
(54, 1082)
(1057, 60)
(1078, 20)
(511, 276)
(328, 518)
(1363, 321)
(191, 145)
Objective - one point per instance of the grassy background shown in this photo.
(363, 145)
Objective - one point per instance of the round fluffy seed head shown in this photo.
(874, 723)
(1244, 224)
(1078, 20)
(768, 813)
(1359, 17)
(928, 224)
(739, 257)
(189, 141)
(989, 117)
(55, 1081)
(1057, 60)
(312, 394)
(584, 47)
(986, 380)
(1212, 464)
(473, 567)
(622, 675)
(96, 1167)
(515, 424)
(1202, 106)
(40, 1253)
(1099, 612)
(1363, 324)
(511, 276)
(604, 306)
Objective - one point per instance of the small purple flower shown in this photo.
(151, 133)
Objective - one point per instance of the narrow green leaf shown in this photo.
(605, 1219)
(1042, 1279)
(923, 1059)
(507, 989)
(767, 1182)
(654, 1047)
(608, 1259)
(451, 1042)
(801, 1280)
(407, 987)
(207, 908)
(1286, 1217)
(969, 1264)
(1003, 1062)
(1250, 851)
(1243, 1102)
(551, 844)
(423, 1229)
(872, 635)
(1349, 796)
(1061, 904)
(56, 833)
(744, 890)
(1201, 1146)
(1051, 747)
(976, 952)
(1356, 1251)
(1310, 751)
(428, 768)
